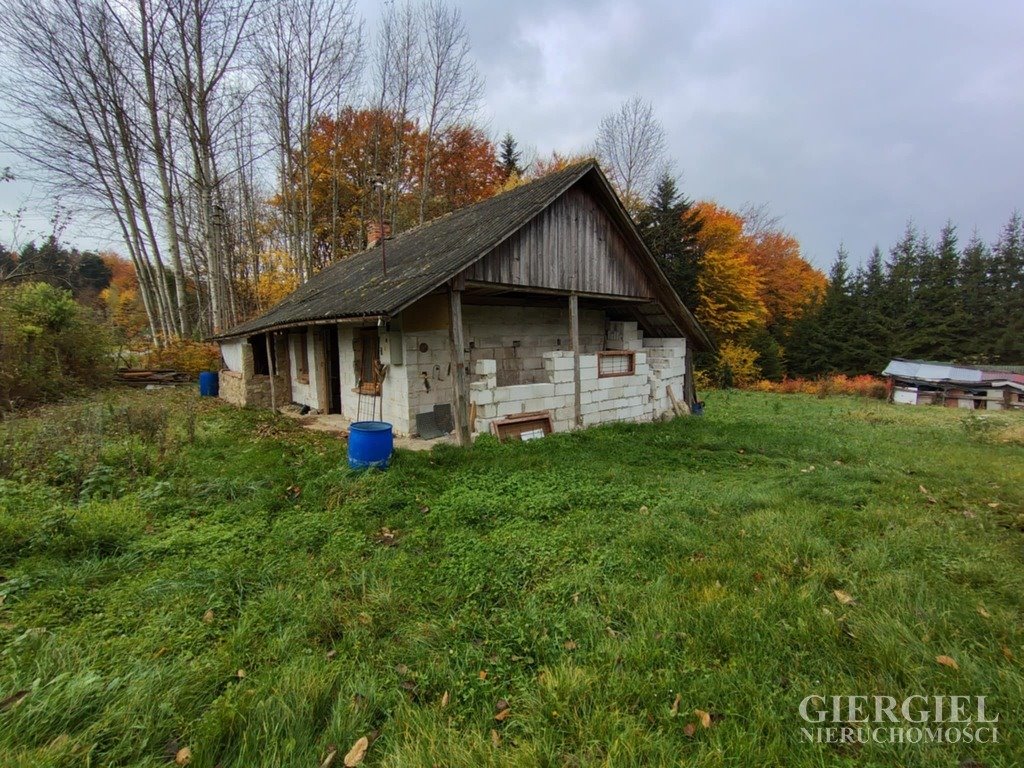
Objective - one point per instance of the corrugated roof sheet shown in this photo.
(422, 258)
(917, 369)
(927, 370)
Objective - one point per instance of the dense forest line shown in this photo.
(929, 299)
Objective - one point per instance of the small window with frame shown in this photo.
(616, 362)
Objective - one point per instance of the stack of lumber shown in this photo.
(141, 377)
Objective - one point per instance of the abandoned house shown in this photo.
(990, 388)
(537, 310)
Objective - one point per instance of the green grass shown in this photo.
(594, 577)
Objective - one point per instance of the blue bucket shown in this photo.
(209, 384)
(370, 444)
(697, 409)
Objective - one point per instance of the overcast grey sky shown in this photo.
(846, 118)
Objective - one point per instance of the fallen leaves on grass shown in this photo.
(674, 709)
(208, 616)
(704, 717)
(445, 698)
(386, 537)
(332, 754)
(947, 661)
(984, 613)
(503, 711)
(482, 674)
(1007, 653)
(495, 738)
(570, 645)
(183, 756)
(927, 495)
(689, 729)
(844, 597)
(357, 753)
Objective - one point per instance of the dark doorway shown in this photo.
(333, 361)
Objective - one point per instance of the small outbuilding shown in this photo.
(537, 310)
(921, 382)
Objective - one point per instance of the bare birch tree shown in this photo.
(75, 99)
(631, 146)
(397, 68)
(451, 86)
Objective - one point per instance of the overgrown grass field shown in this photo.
(187, 580)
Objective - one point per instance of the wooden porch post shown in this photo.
(574, 345)
(460, 382)
(271, 369)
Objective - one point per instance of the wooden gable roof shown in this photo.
(483, 239)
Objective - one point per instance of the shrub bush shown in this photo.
(839, 384)
(50, 346)
(192, 357)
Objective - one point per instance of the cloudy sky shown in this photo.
(846, 118)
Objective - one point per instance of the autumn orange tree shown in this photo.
(729, 286)
(354, 180)
(753, 284)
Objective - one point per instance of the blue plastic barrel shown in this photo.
(209, 384)
(370, 444)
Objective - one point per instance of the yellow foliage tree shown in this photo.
(737, 365)
(276, 280)
(729, 285)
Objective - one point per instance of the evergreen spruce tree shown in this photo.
(509, 158)
(769, 354)
(837, 321)
(805, 343)
(670, 228)
(898, 296)
(937, 317)
(877, 324)
(981, 329)
(1008, 271)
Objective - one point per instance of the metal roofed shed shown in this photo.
(922, 382)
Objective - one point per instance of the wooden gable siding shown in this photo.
(572, 245)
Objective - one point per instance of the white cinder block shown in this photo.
(567, 388)
(484, 397)
(486, 367)
(510, 408)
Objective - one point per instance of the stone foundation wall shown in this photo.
(245, 388)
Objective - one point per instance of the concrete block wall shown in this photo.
(667, 361)
(393, 404)
(614, 398)
(641, 396)
(517, 338)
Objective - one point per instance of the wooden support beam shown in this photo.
(574, 345)
(271, 368)
(460, 380)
